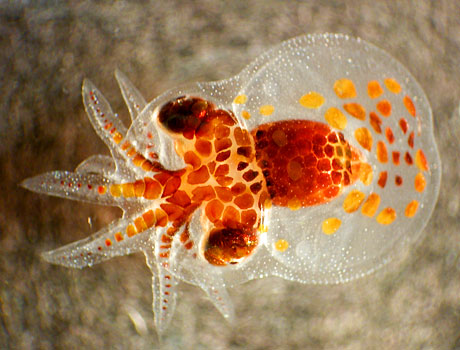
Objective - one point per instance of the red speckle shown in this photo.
(408, 158)
(410, 140)
(403, 124)
(389, 135)
(398, 180)
(382, 181)
(90, 187)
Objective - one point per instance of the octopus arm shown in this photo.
(97, 164)
(163, 288)
(86, 187)
(152, 141)
(109, 128)
(131, 95)
(105, 244)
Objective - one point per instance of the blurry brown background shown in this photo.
(47, 49)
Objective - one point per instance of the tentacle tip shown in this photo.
(87, 85)
(48, 257)
(31, 184)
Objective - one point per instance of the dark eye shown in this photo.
(184, 115)
(228, 245)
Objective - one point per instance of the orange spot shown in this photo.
(249, 217)
(312, 100)
(117, 137)
(118, 236)
(245, 201)
(403, 124)
(211, 167)
(115, 190)
(384, 107)
(173, 211)
(152, 188)
(171, 186)
(371, 205)
(203, 147)
(344, 88)
(382, 153)
(222, 170)
(138, 159)
(192, 159)
(280, 138)
(246, 114)
(355, 110)
(108, 242)
(374, 89)
(382, 181)
(101, 189)
(392, 85)
(389, 135)
(140, 224)
(130, 230)
(331, 225)
(375, 122)
(149, 218)
(409, 105)
(281, 245)
(240, 99)
(222, 156)
(410, 140)
(365, 174)
(420, 160)
(386, 216)
(353, 201)
(224, 193)
(162, 218)
(266, 110)
(242, 137)
(222, 144)
(408, 158)
(180, 198)
(214, 210)
(396, 155)
(411, 209)
(203, 193)
(238, 188)
(294, 203)
(224, 180)
(419, 182)
(364, 138)
(128, 190)
(198, 176)
(222, 131)
(295, 170)
(231, 216)
(335, 118)
(139, 187)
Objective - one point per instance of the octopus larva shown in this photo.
(317, 163)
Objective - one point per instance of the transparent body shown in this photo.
(350, 86)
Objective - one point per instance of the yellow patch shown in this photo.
(331, 225)
(312, 100)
